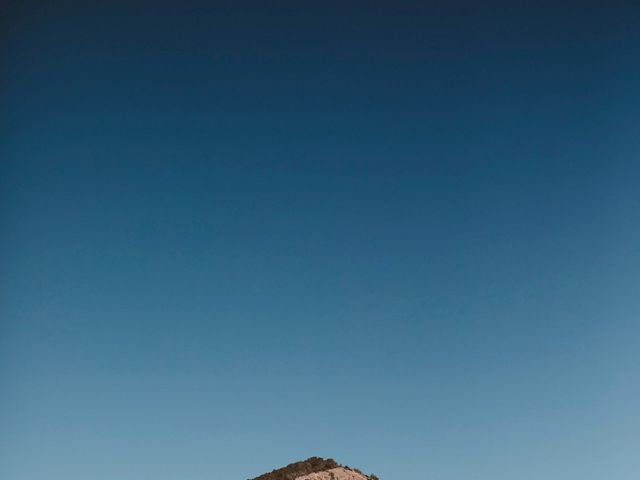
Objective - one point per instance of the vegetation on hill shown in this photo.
(305, 467)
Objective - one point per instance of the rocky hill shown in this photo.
(316, 468)
(339, 473)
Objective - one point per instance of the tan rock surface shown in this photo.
(334, 474)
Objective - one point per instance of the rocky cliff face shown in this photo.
(316, 468)
(339, 473)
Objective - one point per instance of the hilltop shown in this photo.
(316, 468)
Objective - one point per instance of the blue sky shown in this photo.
(237, 235)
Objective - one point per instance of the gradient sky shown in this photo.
(239, 234)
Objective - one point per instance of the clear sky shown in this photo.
(403, 235)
